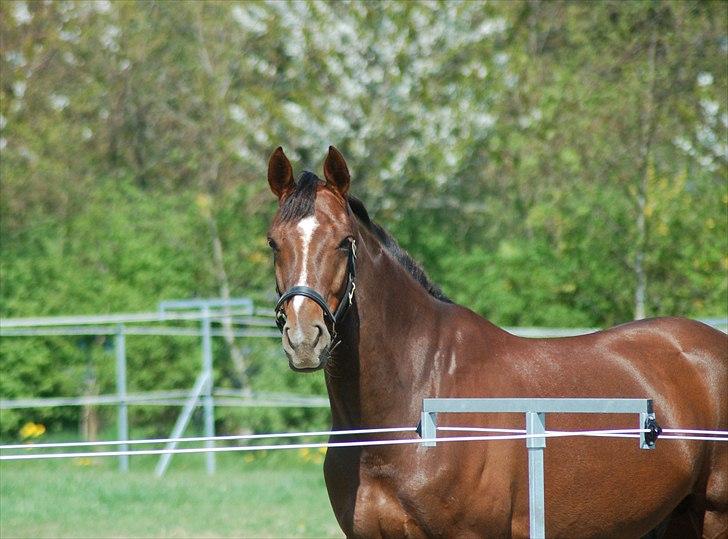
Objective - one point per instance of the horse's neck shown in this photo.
(372, 381)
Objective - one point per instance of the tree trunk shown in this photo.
(207, 184)
(89, 414)
(640, 290)
(648, 123)
(236, 354)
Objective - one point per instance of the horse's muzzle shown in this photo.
(306, 345)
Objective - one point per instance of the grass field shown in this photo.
(276, 494)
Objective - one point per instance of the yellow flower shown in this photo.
(257, 257)
(32, 430)
(204, 202)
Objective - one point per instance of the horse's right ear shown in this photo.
(336, 172)
(280, 173)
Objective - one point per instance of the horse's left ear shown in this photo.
(336, 172)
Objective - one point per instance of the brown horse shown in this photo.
(359, 306)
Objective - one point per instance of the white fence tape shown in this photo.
(718, 436)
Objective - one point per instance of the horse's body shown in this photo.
(401, 342)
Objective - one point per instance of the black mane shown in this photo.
(300, 203)
(402, 256)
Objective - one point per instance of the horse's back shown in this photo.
(675, 360)
(681, 364)
(660, 355)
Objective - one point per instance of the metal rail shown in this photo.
(162, 331)
(177, 397)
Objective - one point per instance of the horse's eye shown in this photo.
(345, 243)
(273, 245)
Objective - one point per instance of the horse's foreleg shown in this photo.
(715, 525)
(715, 519)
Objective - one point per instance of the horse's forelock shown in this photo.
(301, 202)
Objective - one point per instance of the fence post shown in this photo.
(122, 413)
(428, 424)
(536, 424)
(182, 420)
(207, 401)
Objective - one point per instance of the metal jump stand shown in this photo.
(202, 389)
(535, 411)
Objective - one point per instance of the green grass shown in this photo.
(276, 494)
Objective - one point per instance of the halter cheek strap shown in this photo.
(344, 302)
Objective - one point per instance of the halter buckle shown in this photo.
(351, 293)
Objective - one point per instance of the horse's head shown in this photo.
(312, 238)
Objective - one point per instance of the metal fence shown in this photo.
(246, 321)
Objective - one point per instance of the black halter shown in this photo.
(344, 303)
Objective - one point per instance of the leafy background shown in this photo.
(549, 163)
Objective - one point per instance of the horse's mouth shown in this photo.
(318, 367)
(305, 369)
(323, 359)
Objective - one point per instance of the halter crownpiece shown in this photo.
(306, 291)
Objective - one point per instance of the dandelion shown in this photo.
(32, 430)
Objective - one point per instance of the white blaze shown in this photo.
(306, 228)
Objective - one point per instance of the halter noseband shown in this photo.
(344, 303)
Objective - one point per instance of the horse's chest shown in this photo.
(408, 498)
(384, 510)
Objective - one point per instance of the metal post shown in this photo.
(645, 416)
(429, 427)
(207, 400)
(123, 412)
(536, 424)
(182, 420)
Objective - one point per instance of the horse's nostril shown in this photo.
(318, 335)
(287, 334)
(297, 338)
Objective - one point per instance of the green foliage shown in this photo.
(512, 147)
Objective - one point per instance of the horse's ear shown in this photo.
(336, 172)
(280, 173)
